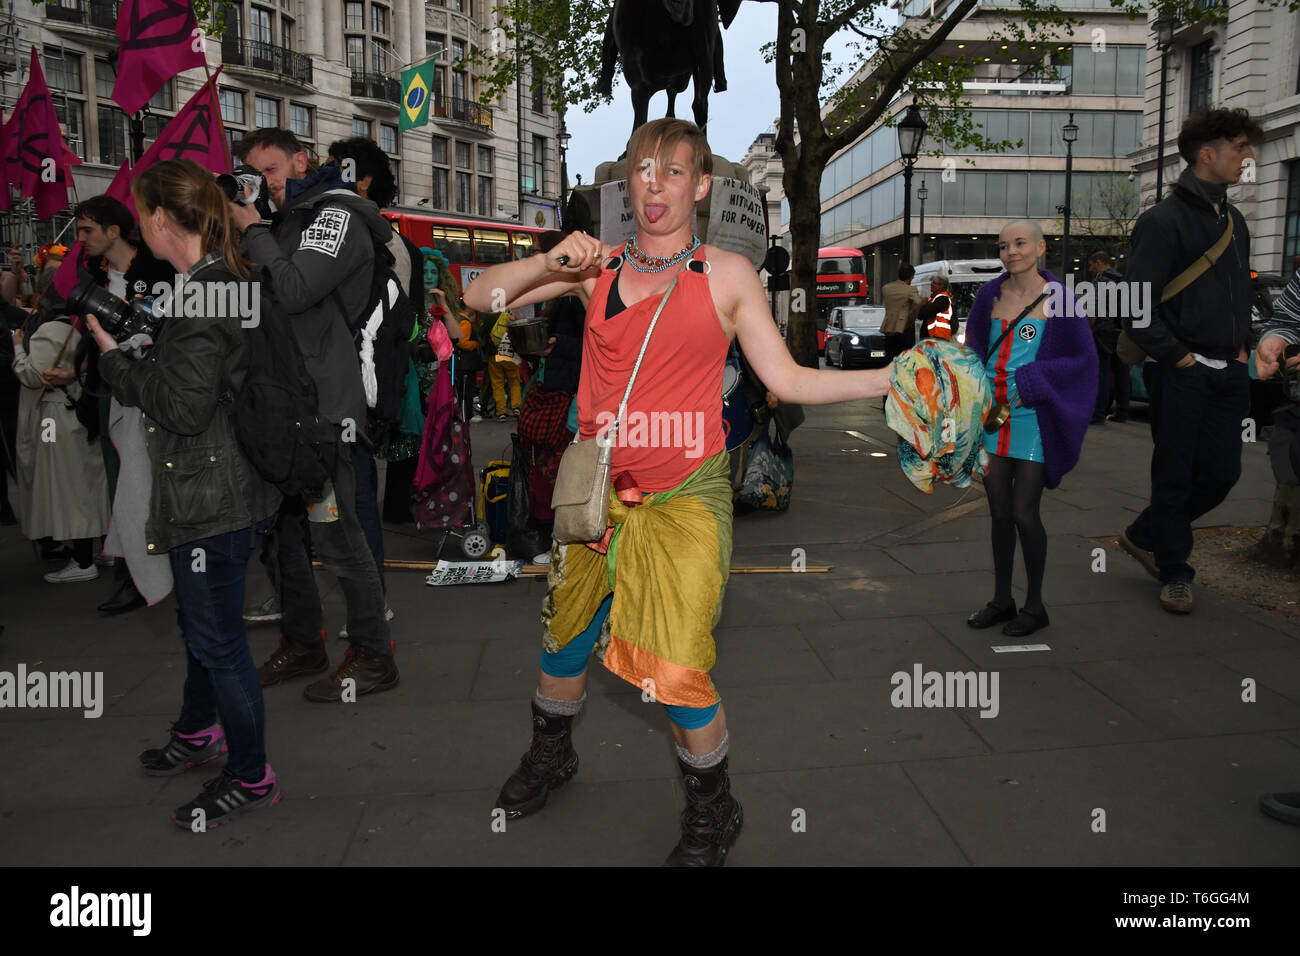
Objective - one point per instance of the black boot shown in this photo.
(126, 598)
(712, 818)
(548, 765)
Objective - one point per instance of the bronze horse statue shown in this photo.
(665, 44)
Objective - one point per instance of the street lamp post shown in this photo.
(1069, 133)
(1164, 37)
(563, 137)
(922, 194)
(911, 130)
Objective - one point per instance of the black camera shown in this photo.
(117, 317)
(247, 187)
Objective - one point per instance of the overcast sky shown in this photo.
(748, 107)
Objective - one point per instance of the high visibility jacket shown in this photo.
(940, 326)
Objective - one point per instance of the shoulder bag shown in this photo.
(1129, 352)
(581, 497)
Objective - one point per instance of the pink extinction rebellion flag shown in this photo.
(36, 158)
(160, 38)
(194, 133)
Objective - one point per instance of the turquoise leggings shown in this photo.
(572, 661)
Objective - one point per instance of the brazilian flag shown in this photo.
(417, 93)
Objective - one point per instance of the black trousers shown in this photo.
(1197, 418)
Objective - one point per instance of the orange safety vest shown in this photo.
(940, 327)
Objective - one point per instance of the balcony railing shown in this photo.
(94, 13)
(282, 61)
(462, 111)
(376, 86)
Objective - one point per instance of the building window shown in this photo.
(1201, 78)
(457, 52)
(232, 22)
(300, 120)
(462, 192)
(357, 54)
(1291, 239)
(286, 32)
(462, 156)
(485, 159)
(266, 112)
(379, 56)
(162, 100)
(485, 196)
(434, 43)
(440, 150)
(439, 198)
(70, 115)
(233, 136)
(361, 126)
(387, 138)
(356, 16)
(232, 105)
(114, 136)
(104, 79)
(536, 91)
(259, 25)
(539, 163)
(378, 19)
(62, 73)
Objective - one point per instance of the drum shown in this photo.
(529, 336)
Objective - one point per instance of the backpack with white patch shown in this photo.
(382, 328)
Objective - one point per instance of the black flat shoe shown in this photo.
(991, 614)
(126, 599)
(1026, 623)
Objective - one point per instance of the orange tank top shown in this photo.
(674, 414)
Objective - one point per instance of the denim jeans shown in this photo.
(220, 678)
(1196, 424)
(342, 548)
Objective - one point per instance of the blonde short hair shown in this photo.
(659, 139)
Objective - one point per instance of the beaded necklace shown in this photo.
(642, 262)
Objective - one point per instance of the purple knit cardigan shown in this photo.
(1061, 384)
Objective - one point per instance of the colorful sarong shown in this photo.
(667, 566)
(938, 398)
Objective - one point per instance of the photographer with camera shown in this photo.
(316, 257)
(127, 270)
(208, 508)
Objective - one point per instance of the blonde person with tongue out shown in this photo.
(648, 595)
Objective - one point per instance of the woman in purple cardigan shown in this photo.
(1045, 369)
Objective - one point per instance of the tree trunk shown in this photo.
(804, 193)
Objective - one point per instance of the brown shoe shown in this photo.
(367, 671)
(1143, 557)
(292, 660)
(1176, 597)
(712, 818)
(549, 764)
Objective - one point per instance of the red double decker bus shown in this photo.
(470, 245)
(841, 280)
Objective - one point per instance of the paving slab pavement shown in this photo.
(1131, 710)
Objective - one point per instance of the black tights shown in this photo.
(1015, 488)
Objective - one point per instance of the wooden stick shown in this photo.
(538, 570)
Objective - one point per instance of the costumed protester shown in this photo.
(208, 507)
(62, 488)
(1042, 365)
(401, 448)
(935, 313)
(648, 594)
(504, 368)
(937, 404)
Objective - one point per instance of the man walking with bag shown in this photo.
(1196, 342)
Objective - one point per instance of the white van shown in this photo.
(965, 276)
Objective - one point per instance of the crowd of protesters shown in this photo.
(141, 430)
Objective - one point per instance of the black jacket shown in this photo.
(203, 485)
(1212, 315)
(564, 364)
(303, 267)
